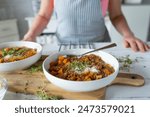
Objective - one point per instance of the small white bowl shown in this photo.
(3, 88)
(21, 64)
(81, 86)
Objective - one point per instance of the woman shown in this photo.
(83, 20)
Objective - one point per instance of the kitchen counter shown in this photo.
(115, 92)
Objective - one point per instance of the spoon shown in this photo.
(105, 47)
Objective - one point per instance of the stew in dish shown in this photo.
(86, 68)
(15, 54)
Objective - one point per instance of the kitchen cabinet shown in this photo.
(138, 18)
(8, 30)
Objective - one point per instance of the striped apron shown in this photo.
(80, 21)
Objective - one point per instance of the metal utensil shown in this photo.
(105, 47)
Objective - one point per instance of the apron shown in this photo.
(80, 21)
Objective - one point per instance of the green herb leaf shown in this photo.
(12, 51)
(35, 68)
(19, 52)
(78, 66)
(126, 62)
(4, 53)
(44, 96)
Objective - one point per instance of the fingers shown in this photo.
(28, 39)
(126, 44)
(134, 46)
(147, 47)
(142, 46)
(23, 39)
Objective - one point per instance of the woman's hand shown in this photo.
(28, 38)
(135, 44)
(120, 23)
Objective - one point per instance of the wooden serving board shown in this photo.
(29, 83)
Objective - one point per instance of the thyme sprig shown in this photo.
(44, 96)
(78, 66)
(126, 62)
(35, 68)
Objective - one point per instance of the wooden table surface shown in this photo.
(116, 92)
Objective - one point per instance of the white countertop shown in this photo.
(142, 67)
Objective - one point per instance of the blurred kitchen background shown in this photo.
(16, 17)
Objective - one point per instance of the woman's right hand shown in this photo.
(28, 38)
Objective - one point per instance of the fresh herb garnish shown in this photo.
(126, 62)
(4, 53)
(11, 51)
(19, 52)
(78, 66)
(44, 96)
(35, 68)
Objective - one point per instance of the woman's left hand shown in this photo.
(135, 44)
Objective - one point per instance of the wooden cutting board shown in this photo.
(29, 83)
